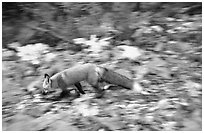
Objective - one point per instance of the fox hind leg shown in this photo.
(93, 80)
(64, 93)
(63, 87)
(99, 92)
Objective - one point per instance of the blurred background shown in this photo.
(159, 44)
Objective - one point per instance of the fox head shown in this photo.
(47, 84)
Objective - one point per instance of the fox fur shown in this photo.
(90, 73)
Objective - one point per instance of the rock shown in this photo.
(38, 111)
(87, 110)
(29, 72)
(111, 123)
(162, 104)
(34, 86)
(61, 125)
(195, 58)
(170, 19)
(44, 121)
(157, 28)
(149, 118)
(158, 66)
(4, 125)
(46, 107)
(141, 71)
(169, 126)
(104, 56)
(50, 57)
(22, 117)
(21, 122)
(22, 126)
(14, 45)
(159, 47)
(126, 42)
(9, 99)
(8, 55)
(190, 125)
(96, 45)
(135, 127)
(34, 112)
(157, 62)
(129, 52)
(79, 40)
(177, 46)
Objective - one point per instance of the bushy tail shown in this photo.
(112, 77)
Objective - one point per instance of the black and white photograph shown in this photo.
(101, 66)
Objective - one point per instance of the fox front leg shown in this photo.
(79, 87)
(63, 87)
(93, 80)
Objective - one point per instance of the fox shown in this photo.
(92, 74)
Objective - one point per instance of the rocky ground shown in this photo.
(169, 69)
(168, 104)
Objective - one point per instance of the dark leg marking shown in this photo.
(79, 87)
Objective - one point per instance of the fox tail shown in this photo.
(112, 77)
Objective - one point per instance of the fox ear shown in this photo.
(46, 75)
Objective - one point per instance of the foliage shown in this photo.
(96, 45)
(167, 62)
(34, 53)
(51, 23)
